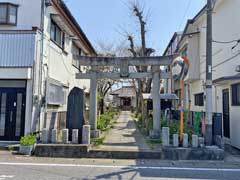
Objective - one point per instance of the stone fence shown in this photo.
(195, 142)
(51, 136)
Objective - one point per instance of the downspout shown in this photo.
(40, 85)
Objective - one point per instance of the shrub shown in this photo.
(97, 141)
(140, 118)
(104, 121)
(29, 140)
(174, 128)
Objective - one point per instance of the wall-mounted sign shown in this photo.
(180, 68)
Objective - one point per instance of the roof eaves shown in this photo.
(69, 14)
(170, 42)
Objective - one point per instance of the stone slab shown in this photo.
(219, 141)
(45, 136)
(185, 140)
(175, 140)
(65, 136)
(86, 131)
(95, 134)
(165, 136)
(75, 136)
(194, 141)
(54, 136)
(201, 141)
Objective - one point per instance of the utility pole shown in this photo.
(209, 103)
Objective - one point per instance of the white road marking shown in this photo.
(121, 167)
(3, 177)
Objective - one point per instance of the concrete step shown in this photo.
(113, 154)
(9, 145)
(165, 153)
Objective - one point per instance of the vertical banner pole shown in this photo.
(182, 111)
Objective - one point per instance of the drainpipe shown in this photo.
(40, 85)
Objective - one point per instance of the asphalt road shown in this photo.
(17, 167)
(42, 171)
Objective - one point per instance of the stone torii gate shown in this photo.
(123, 63)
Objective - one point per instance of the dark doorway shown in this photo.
(75, 112)
(126, 103)
(226, 115)
(12, 113)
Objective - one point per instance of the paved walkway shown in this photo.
(125, 135)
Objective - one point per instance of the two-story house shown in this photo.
(37, 72)
(226, 59)
(170, 85)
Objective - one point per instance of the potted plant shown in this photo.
(27, 144)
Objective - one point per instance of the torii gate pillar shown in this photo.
(93, 107)
(156, 132)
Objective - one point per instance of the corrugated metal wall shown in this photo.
(17, 49)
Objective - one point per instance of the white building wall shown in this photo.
(226, 27)
(57, 64)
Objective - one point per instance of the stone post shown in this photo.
(45, 136)
(194, 141)
(175, 140)
(54, 136)
(185, 140)
(201, 141)
(65, 136)
(165, 136)
(156, 103)
(75, 136)
(86, 134)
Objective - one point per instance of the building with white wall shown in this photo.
(226, 58)
(37, 72)
(124, 98)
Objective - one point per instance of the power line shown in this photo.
(185, 13)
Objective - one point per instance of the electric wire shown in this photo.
(185, 13)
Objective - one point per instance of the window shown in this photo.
(199, 99)
(57, 35)
(236, 94)
(8, 14)
(76, 51)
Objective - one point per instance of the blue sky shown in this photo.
(106, 20)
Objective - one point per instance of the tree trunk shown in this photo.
(102, 106)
